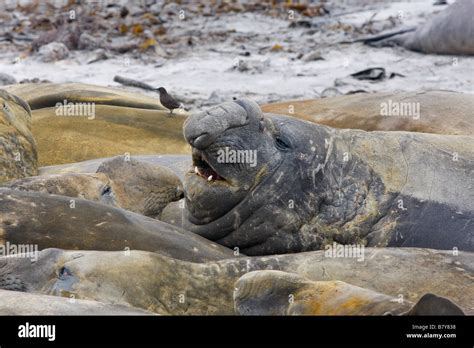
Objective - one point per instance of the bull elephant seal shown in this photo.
(281, 293)
(120, 182)
(271, 184)
(18, 156)
(166, 285)
(44, 220)
(449, 32)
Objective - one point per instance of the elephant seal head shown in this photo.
(218, 182)
(247, 169)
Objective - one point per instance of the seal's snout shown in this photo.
(200, 142)
(203, 128)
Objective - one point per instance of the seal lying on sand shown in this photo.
(120, 182)
(271, 184)
(71, 223)
(168, 286)
(281, 293)
(449, 32)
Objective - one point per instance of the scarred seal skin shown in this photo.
(301, 186)
(44, 221)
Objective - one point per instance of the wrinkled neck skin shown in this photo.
(313, 195)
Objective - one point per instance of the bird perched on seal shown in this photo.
(167, 101)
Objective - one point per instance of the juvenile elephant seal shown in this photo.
(141, 187)
(281, 293)
(271, 184)
(121, 182)
(44, 220)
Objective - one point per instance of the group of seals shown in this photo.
(311, 185)
(165, 285)
(258, 184)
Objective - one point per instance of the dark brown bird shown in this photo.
(167, 101)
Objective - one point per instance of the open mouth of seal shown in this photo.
(203, 168)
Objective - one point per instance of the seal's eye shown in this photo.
(106, 190)
(282, 143)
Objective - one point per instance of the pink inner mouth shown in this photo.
(203, 169)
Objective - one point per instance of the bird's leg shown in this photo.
(171, 113)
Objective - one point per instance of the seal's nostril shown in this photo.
(201, 142)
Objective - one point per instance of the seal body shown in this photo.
(44, 220)
(281, 293)
(440, 112)
(449, 32)
(93, 121)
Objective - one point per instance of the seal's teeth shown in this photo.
(209, 178)
(196, 170)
